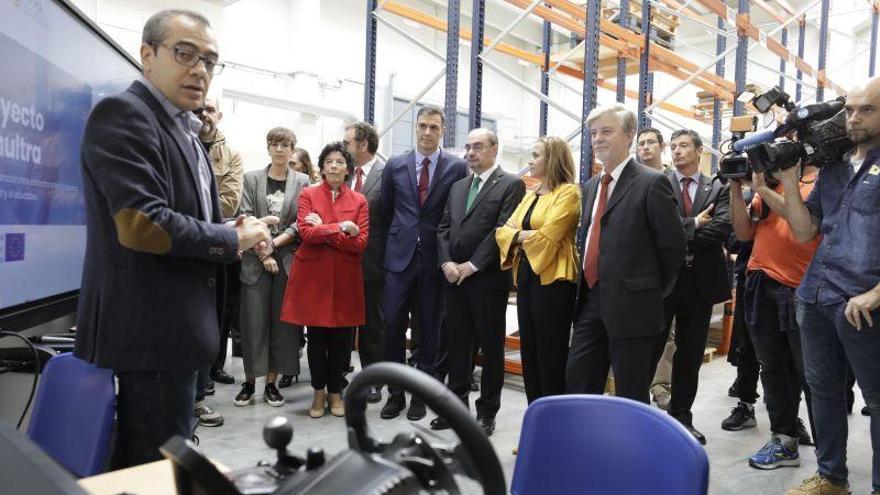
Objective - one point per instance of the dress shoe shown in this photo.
(416, 410)
(223, 377)
(285, 381)
(488, 425)
(337, 408)
(439, 423)
(395, 405)
(317, 409)
(374, 395)
(696, 433)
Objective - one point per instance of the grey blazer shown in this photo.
(374, 256)
(253, 202)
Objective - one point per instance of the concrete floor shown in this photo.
(238, 443)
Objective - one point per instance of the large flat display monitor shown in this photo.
(55, 65)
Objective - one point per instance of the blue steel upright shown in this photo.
(742, 58)
(545, 78)
(452, 43)
(875, 21)
(591, 67)
(784, 42)
(802, 34)
(717, 103)
(646, 79)
(478, 24)
(621, 59)
(823, 47)
(370, 65)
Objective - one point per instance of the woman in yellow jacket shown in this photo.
(538, 243)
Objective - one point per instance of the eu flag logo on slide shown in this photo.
(14, 247)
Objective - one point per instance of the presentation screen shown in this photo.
(54, 66)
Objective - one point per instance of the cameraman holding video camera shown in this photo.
(840, 293)
(775, 269)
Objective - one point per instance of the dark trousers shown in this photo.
(828, 340)
(228, 311)
(202, 379)
(371, 336)
(544, 313)
(743, 357)
(593, 352)
(770, 309)
(151, 407)
(329, 350)
(422, 280)
(692, 316)
(476, 315)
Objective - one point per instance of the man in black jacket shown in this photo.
(703, 204)
(476, 288)
(633, 249)
(147, 307)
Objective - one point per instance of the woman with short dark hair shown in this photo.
(325, 291)
(269, 346)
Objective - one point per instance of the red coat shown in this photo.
(326, 284)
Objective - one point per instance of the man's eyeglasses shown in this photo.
(190, 58)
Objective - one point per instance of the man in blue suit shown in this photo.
(147, 307)
(414, 190)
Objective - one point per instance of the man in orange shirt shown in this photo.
(775, 269)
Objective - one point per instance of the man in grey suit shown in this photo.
(476, 288)
(362, 141)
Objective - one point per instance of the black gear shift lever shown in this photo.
(277, 433)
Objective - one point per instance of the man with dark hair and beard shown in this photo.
(839, 296)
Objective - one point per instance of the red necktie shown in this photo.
(686, 196)
(359, 179)
(591, 264)
(423, 181)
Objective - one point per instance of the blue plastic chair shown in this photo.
(73, 414)
(595, 444)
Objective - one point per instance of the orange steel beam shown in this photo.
(744, 26)
(533, 58)
(657, 51)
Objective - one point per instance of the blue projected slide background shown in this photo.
(53, 69)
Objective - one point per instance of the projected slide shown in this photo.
(53, 69)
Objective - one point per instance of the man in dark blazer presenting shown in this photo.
(476, 289)
(147, 307)
(634, 247)
(704, 211)
(415, 186)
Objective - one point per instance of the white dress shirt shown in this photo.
(692, 190)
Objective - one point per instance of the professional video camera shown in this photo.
(820, 132)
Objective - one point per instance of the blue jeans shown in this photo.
(828, 340)
(152, 406)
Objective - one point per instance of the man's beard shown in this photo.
(862, 136)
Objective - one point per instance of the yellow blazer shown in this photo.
(551, 250)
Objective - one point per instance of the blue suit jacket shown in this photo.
(149, 288)
(411, 224)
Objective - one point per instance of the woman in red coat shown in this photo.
(326, 288)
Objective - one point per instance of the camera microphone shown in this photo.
(754, 140)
